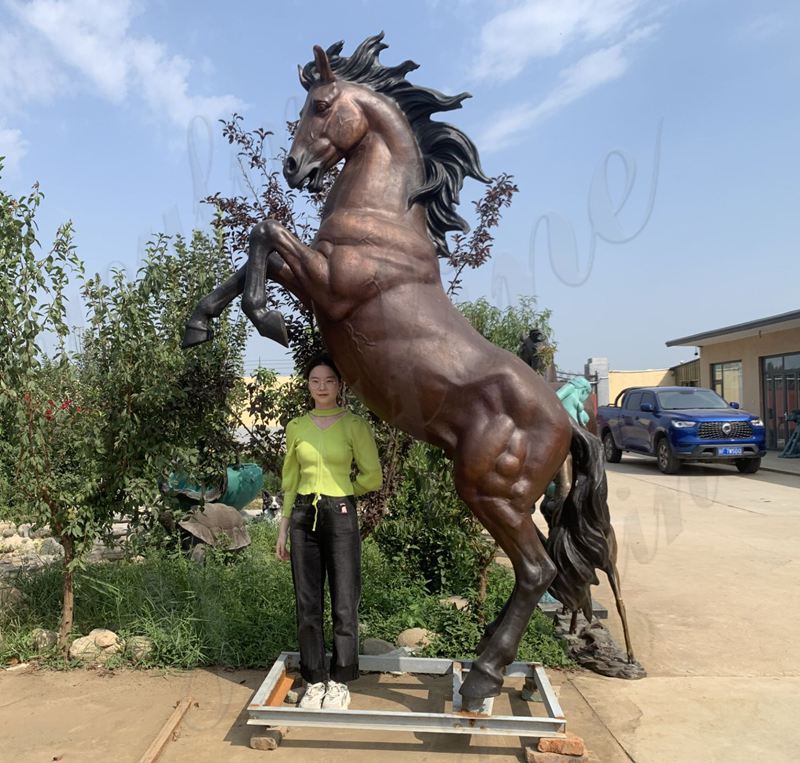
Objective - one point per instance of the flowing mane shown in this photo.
(449, 155)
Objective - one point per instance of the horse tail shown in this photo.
(581, 538)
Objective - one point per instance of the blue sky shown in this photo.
(655, 144)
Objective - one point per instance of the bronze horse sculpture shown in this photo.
(372, 278)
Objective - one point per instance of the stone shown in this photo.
(24, 530)
(84, 649)
(104, 638)
(44, 639)
(8, 531)
(534, 756)
(10, 596)
(12, 542)
(572, 745)
(41, 532)
(414, 638)
(459, 602)
(267, 739)
(374, 646)
(139, 648)
(51, 547)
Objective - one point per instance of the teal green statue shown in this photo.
(573, 395)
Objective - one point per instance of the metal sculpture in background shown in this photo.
(372, 278)
(593, 646)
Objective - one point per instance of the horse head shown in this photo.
(331, 124)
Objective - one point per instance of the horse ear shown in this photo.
(323, 65)
(304, 80)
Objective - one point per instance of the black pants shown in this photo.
(332, 548)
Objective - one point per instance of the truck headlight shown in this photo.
(684, 424)
(756, 423)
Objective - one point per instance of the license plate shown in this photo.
(729, 451)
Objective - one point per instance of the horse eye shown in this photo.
(321, 106)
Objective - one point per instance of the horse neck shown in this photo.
(382, 171)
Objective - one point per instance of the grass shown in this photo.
(239, 611)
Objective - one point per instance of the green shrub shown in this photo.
(239, 610)
(429, 530)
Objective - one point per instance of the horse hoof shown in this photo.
(272, 326)
(193, 335)
(480, 683)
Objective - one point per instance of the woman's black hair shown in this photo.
(321, 359)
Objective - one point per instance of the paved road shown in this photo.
(710, 567)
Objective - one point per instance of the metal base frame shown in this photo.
(267, 709)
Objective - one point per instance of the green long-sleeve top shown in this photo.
(319, 461)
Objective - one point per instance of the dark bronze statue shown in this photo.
(372, 278)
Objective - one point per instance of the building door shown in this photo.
(781, 385)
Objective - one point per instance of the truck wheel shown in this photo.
(748, 465)
(612, 453)
(667, 462)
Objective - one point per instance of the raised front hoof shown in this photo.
(480, 684)
(194, 335)
(272, 326)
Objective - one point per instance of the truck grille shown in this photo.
(712, 430)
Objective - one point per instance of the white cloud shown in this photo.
(534, 29)
(13, 147)
(591, 71)
(58, 46)
(27, 73)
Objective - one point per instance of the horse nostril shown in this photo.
(290, 165)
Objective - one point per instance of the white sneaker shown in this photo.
(312, 699)
(337, 697)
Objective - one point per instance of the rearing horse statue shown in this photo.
(372, 278)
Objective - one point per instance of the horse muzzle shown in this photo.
(298, 172)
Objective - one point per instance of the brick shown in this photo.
(572, 745)
(534, 756)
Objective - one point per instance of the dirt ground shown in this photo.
(97, 716)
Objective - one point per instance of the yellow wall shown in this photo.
(654, 377)
(244, 414)
(749, 351)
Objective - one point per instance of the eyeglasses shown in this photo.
(323, 382)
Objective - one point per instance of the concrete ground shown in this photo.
(710, 577)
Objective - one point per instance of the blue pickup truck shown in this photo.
(677, 424)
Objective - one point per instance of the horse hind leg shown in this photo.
(533, 570)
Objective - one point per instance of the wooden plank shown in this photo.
(280, 690)
(157, 746)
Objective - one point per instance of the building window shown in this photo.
(726, 380)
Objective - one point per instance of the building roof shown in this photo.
(740, 330)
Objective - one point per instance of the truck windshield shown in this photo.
(691, 397)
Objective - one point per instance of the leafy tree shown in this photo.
(87, 435)
(508, 327)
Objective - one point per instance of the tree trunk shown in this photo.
(68, 603)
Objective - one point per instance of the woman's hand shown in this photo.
(281, 552)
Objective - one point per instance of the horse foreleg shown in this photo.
(269, 323)
(290, 262)
(198, 328)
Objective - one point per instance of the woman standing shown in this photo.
(320, 522)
